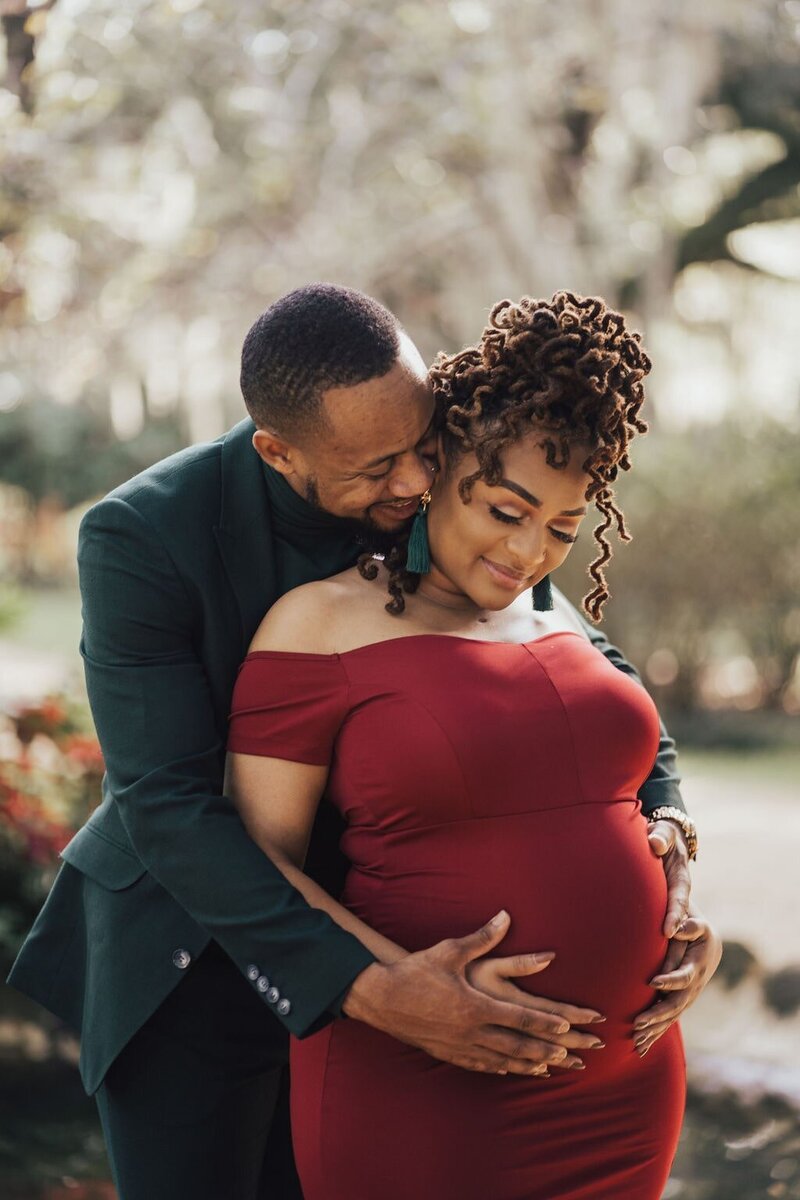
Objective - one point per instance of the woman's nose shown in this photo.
(527, 544)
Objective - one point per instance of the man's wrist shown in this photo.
(365, 993)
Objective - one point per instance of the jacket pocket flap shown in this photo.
(102, 861)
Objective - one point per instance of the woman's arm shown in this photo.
(282, 829)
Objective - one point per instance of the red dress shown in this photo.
(475, 776)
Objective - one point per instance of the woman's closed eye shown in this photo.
(499, 515)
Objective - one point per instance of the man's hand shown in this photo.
(692, 958)
(667, 841)
(426, 1000)
(494, 977)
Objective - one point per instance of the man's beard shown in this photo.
(369, 536)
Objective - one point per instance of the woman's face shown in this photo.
(510, 536)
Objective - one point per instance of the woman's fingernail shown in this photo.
(577, 1066)
(597, 1045)
(596, 1020)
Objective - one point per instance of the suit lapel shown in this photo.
(244, 532)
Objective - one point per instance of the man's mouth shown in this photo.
(503, 576)
(402, 509)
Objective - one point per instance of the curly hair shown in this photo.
(568, 366)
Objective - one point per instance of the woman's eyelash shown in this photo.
(499, 515)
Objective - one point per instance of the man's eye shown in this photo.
(382, 474)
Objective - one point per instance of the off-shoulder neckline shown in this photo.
(412, 637)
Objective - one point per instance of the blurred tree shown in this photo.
(713, 572)
(185, 163)
(71, 453)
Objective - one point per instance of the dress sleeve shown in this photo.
(288, 706)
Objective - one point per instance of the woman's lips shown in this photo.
(503, 576)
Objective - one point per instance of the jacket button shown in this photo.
(262, 983)
(181, 959)
(284, 1007)
(273, 995)
(253, 973)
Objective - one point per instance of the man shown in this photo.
(180, 953)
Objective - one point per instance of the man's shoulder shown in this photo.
(185, 484)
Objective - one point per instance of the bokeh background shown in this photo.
(167, 169)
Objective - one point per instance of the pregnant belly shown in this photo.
(581, 881)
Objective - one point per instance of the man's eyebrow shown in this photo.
(532, 500)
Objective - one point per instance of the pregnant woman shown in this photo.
(486, 757)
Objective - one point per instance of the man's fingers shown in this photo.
(529, 1049)
(559, 1032)
(473, 945)
(490, 1062)
(570, 1012)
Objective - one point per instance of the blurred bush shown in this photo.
(50, 773)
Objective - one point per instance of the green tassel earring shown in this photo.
(543, 595)
(418, 555)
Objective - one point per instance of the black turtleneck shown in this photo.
(309, 543)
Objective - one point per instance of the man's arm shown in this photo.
(154, 715)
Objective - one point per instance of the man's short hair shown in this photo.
(318, 337)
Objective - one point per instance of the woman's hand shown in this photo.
(494, 976)
(692, 958)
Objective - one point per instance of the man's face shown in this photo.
(373, 458)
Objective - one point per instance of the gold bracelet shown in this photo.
(668, 812)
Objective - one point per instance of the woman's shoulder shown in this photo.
(310, 619)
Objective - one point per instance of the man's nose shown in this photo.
(411, 477)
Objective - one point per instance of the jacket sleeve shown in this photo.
(154, 716)
(662, 785)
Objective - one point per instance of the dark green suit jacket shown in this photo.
(177, 571)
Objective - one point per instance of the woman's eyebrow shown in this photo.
(532, 500)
